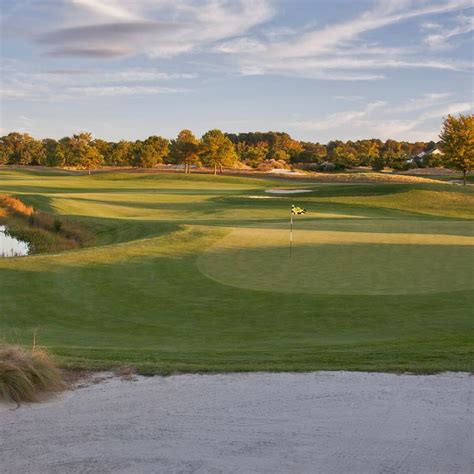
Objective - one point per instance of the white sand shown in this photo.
(326, 422)
(288, 191)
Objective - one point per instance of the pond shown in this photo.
(11, 247)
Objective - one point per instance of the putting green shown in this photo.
(349, 263)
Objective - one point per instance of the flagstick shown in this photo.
(291, 230)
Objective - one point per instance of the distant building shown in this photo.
(421, 157)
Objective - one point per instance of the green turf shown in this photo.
(192, 273)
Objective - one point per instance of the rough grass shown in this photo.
(26, 374)
(139, 297)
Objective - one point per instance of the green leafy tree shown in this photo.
(378, 163)
(122, 154)
(153, 151)
(184, 150)
(146, 156)
(217, 150)
(105, 149)
(457, 143)
(311, 153)
(54, 155)
(253, 155)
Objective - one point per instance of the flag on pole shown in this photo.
(296, 211)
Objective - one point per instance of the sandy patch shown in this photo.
(262, 197)
(259, 422)
(288, 191)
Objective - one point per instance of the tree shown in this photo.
(151, 152)
(121, 154)
(217, 150)
(79, 151)
(393, 154)
(253, 155)
(5, 151)
(312, 153)
(104, 148)
(90, 159)
(53, 156)
(75, 147)
(146, 156)
(22, 149)
(184, 150)
(457, 143)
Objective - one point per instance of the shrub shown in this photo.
(327, 166)
(24, 374)
(57, 225)
(308, 166)
(16, 206)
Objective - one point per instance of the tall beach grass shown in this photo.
(27, 373)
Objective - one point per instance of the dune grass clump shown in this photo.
(26, 373)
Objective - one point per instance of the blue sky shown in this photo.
(318, 69)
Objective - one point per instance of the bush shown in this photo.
(271, 164)
(308, 166)
(24, 374)
(57, 225)
(16, 206)
(327, 166)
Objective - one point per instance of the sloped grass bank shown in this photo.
(42, 230)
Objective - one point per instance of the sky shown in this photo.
(317, 69)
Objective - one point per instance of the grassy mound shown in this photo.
(24, 374)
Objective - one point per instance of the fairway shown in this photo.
(193, 274)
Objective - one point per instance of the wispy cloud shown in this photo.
(441, 39)
(158, 29)
(338, 51)
(338, 119)
(64, 84)
(100, 91)
(110, 9)
(380, 119)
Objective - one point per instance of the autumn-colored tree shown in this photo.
(90, 159)
(185, 150)
(5, 151)
(217, 150)
(457, 143)
(22, 149)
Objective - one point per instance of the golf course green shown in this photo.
(192, 273)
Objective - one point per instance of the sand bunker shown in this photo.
(259, 422)
(288, 191)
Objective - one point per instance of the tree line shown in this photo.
(259, 150)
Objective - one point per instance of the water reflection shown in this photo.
(11, 247)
